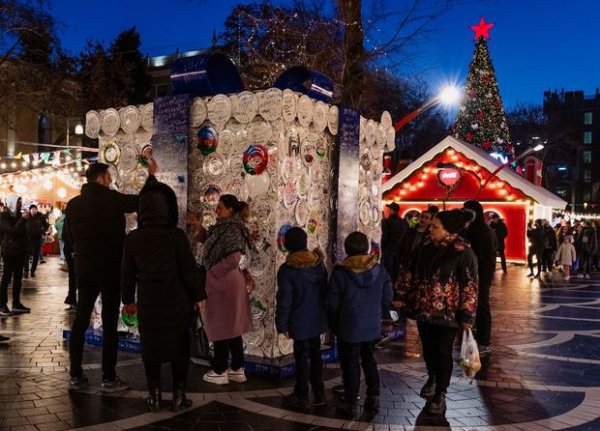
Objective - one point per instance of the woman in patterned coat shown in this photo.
(439, 290)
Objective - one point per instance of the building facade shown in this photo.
(572, 168)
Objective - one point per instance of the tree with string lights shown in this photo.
(481, 120)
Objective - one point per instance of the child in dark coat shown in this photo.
(358, 290)
(301, 315)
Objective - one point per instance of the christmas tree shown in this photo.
(481, 120)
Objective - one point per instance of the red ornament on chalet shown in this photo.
(469, 136)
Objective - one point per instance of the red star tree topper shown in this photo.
(481, 120)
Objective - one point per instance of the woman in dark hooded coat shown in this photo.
(158, 260)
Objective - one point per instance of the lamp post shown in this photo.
(449, 95)
(78, 129)
(531, 150)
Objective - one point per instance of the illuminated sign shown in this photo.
(449, 178)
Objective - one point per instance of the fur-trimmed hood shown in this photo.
(359, 263)
(305, 258)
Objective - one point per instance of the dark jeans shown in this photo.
(350, 356)
(72, 294)
(90, 286)
(539, 256)
(308, 352)
(437, 341)
(502, 259)
(483, 318)
(34, 256)
(13, 269)
(391, 263)
(179, 372)
(223, 348)
(547, 259)
(585, 261)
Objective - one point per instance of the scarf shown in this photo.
(225, 237)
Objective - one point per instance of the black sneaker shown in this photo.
(346, 409)
(42, 261)
(116, 385)
(437, 406)
(319, 399)
(4, 339)
(20, 308)
(372, 405)
(5, 311)
(295, 402)
(78, 383)
(428, 389)
(530, 274)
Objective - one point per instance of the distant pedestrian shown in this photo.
(566, 255)
(13, 236)
(586, 245)
(482, 240)
(359, 288)
(158, 264)
(414, 237)
(392, 230)
(501, 231)
(37, 225)
(550, 247)
(301, 315)
(439, 290)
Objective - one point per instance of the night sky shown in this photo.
(536, 45)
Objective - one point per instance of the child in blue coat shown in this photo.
(359, 288)
(301, 315)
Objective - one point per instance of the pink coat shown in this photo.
(227, 311)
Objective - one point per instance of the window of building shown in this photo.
(587, 157)
(561, 191)
(587, 176)
(587, 118)
(562, 171)
(587, 138)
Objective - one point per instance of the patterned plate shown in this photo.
(333, 120)
(270, 104)
(290, 195)
(386, 119)
(320, 114)
(129, 158)
(301, 212)
(110, 153)
(214, 165)
(245, 107)
(288, 105)
(239, 188)
(111, 122)
(212, 193)
(305, 110)
(258, 184)
(198, 112)
(130, 119)
(92, 124)
(219, 109)
(140, 175)
(147, 116)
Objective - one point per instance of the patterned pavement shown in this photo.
(543, 374)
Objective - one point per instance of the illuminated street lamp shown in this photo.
(78, 128)
(449, 95)
(527, 152)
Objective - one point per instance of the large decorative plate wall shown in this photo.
(245, 107)
(111, 122)
(270, 104)
(92, 124)
(130, 119)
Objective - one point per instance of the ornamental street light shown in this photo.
(527, 152)
(449, 95)
(78, 128)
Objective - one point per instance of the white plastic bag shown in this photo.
(469, 355)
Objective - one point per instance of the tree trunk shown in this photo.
(353, 52)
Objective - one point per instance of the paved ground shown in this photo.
(544, 373)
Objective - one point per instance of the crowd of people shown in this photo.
(436, 270)
(572, 248)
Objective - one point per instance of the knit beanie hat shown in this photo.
(455, 220)
(295, 239)
(356, 243)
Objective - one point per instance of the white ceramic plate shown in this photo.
(219, 109)
(129, 158)
(245, 107)
(288, 105)
(258, 184)
(305, 110)
(301, 212)
(214, 165)
(147, 116)
(198, 112)
(390, 140)
(259, 131)
(130, 119)
(111, 122)
(320, 116)
(92, 124)
(333, 120)
(270, 104)
(110, 153)
(386, 119)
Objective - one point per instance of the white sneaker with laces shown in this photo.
(215, 378)
(238, 376)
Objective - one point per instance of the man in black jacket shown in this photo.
(37, 225)
(483, 241)
(392, 229)
(95, 232)
(13, 235)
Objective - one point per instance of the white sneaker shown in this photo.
(238, 376)
(587, 276)
(567, 277)
(215, 378)
(579, 275)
